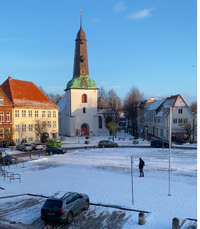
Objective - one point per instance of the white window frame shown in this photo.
(30, 127)
(36, 114)
(23, 127)
(7, 116)
(17, 128)
(16, 113)
(1, 101)
(49, 124)
(36, 127)
(23, 113)
(30, 113)
(43, 114)
(54, 124)
(180, 111)
(48, 114)
(1, 116)
(54, 114)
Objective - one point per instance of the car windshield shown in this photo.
(38, 144)
(53, 204)
(27, 144)
(57, 141)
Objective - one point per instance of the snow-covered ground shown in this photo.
(105, 175)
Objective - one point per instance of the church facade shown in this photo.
(78, 114)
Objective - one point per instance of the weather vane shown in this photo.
(80, 15)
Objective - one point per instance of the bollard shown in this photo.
(31, 156)
(94, 147)
(175, 223)
(141, 218)
(50, 153)
(85, 147)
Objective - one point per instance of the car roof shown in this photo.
(60, 195)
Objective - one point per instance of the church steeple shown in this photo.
(80, 56)
(81, 71)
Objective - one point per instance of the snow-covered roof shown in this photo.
(61, 104)
(156, 104)
(26, 94)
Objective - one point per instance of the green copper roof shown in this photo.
(81, 82)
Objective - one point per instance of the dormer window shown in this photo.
(1, 101)
(84, 98)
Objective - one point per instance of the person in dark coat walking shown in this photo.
(141, 165)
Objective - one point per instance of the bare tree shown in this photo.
(8, 136)
(40, 129)
(131, 107)
(193, 107)
(102, 93)
(55, 98)
(111, 113)
(189, 129)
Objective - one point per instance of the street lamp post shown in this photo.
(170, 128)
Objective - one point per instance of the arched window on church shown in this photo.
(100, 122)
(84, 98)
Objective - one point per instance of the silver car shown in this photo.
(25, 147)
(38, 146)
(63, 206)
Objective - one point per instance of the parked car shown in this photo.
(54, 150)
(63, 206)
(106, 143)
(37, 146)
(8, 159)
(25, 147)
(54, 142)
(159, 144)
(12, 144)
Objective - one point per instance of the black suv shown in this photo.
(63, 206)
(159, 144)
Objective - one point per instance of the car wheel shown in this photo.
(114, 145)
(103, 146)
(153, 146)
(69, 217)
(86, 205)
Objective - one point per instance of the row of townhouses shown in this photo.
(21, 105)
(154, 118)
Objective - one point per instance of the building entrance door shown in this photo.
(84, 129)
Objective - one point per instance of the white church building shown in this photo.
(78, 108)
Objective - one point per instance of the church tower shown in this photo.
(81, 93)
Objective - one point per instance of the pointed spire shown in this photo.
(80, 15)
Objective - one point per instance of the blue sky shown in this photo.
(151, 45)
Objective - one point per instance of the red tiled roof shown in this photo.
(26, 94)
